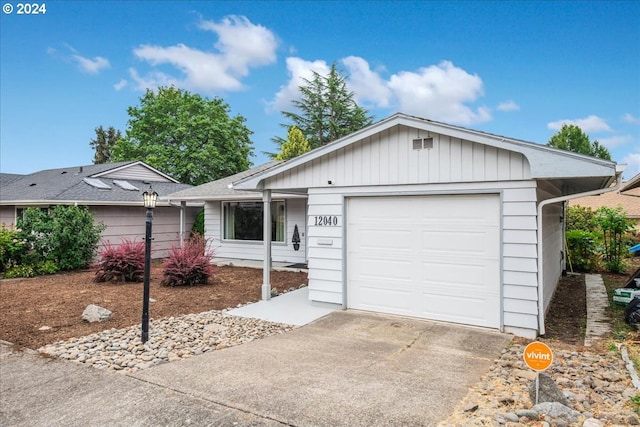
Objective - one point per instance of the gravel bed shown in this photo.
(170, 339)
(597, 386)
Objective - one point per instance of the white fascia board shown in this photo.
(242, 196)
(72, 202)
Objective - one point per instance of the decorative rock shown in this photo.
(557, 410)
(95, 313)
(548, 391)
(44, 328)
(592, 422)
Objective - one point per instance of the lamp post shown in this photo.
(149, 197)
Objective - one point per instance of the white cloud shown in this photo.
(366, 84)
(91, 66)
(120, 85)
(632, 160)
(589, 124)
(240, 46)
(508, 106)
(629, 118)
(615, 141)
(299, 70)
(439, 92)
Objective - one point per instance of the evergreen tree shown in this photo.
(295, 145)
(326, 110)
(103, 143)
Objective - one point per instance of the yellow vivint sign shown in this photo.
(538, 356)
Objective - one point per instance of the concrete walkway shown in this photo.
(598, 323)
(292, 308)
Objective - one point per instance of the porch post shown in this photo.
(183, 206)
(266, 240)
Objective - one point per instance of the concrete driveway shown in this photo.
(348, 368)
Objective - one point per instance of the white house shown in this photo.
(418, 218)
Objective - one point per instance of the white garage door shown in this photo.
(434, 257)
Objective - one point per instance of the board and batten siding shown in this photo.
(295, 213)
(129, 222)
(519, 244)
(388, 158)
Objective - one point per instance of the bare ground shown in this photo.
(57, 301)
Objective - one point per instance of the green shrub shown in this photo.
(188, 265)
(583, 250)
(20, 271)
(123, 263)
(13, 247)
(198, 224)
(614, 226)
(47, 267)
(581, 218)
(65, 235)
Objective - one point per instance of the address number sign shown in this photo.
(325, 220)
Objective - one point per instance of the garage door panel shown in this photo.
(434, 257)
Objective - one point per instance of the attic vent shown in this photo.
(63, 172)
(96, 183)
(420, 143)
(125, 185)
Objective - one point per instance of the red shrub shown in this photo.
(188, 265)
(122, 263)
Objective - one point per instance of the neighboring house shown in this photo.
(419, 218)
(628, 200)
(113, 193)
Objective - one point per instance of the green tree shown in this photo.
(326, 110)
(103, 144)
(295, 145)
(572, 138)
(193, 139)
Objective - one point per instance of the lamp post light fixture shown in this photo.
(149, 197)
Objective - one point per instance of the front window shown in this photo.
(243, 221)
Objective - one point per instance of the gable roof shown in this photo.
(220, 189)
(543, 160)
(81, 184)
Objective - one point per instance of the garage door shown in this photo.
(433, 257)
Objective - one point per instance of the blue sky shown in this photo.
(518, 69)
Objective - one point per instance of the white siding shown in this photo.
(280, 252)
(388, 158)
(552, 249)
(128, 222)
(519, 258)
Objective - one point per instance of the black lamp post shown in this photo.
(150, 197)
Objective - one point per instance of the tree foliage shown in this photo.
(327, 110)
(193, 139)
(572, 138)
(103, 143)
(614, 225)
(295, 145)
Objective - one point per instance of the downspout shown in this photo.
(182, 206)
(541, 205)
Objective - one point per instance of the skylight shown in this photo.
(125, 185)
(96, 183)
